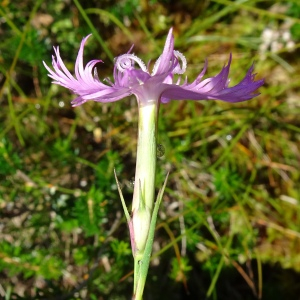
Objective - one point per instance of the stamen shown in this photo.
(126, 61)
(96, 74)
(130, 49)
(180, 69)
(155, 67)
(108, 81)
(139, 81)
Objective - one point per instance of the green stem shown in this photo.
(143, 195)
(146, 157)
(141, 262)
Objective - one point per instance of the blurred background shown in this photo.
(229, 225)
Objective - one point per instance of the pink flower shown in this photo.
(132, 76)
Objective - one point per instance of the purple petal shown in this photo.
(217, 83)
(86, 85)
(215, 88)
(158, 85)
(167, 55)
(112, 97)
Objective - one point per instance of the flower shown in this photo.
(159, 85)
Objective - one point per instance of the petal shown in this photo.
(79, 60)
(163, 63)
(86, 84)
(216, 83)
(105, 94)
(112, 97)
(215, 88)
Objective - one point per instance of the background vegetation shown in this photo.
(229, 225)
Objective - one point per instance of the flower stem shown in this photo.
(141, 263)
(143, 195)
(146, 156)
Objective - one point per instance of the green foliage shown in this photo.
(10, 161)
(229, 217)
(121, 250)
(125, 8)
(90, 211)
(180, 269)
(34, 263)
(226, 183)
(80, 256)
(294, 11)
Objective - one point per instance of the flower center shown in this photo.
(179, 68)
(127, 61)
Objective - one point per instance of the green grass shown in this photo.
(229, 225)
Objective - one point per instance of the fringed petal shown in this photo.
(131, 79)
